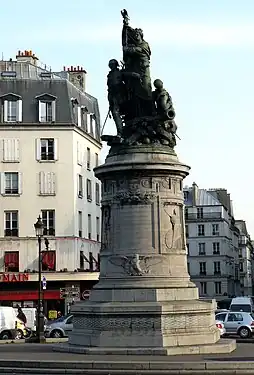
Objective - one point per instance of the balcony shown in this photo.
(203, 216)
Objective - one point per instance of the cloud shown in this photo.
(166, 33)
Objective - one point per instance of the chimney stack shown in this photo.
(77, 76)
(27, 56)
(194, 194)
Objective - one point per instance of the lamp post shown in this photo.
(40, 338)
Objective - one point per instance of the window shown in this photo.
(47, 183)
(97, 229)
(203, 288)
(88, 160)
(80, 225)
(46, 149)
(216, 248)
(47, 111)
(12, 110)
(188, 248)
(11, 261)
(235, 317)
(92, 120)
(200, 213)
(89, 189)
(202, 268)
(201, 248)
(11, 183)
(10, 150)
(48, 260)
(187, 230)
(221, 317)
(186, 195)
(97, 193)
(241, 266)
(217, 286)
(11, 224)
(201, 230)
(96, 160)
(240, 253)
(215, 229)
(89, 227)
(83, 117)
(48, 218)
(79, 154)
(216, 268)
(81, 260)
(80, 186)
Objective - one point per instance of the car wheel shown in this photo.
(19, 335)
(244, 332)
(5, 335)
(56, 334)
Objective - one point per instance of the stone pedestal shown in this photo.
(144, 302)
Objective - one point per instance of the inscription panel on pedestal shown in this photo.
(133, 228)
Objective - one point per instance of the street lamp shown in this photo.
(40, 338)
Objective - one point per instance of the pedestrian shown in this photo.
(21, 316)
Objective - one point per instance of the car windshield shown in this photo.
(61, 319)
(244, 308)
(252, 315)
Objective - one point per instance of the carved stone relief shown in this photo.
(137, 197)
(174, 235)
(136, 265)
(106, 227)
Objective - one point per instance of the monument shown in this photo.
(144, 302)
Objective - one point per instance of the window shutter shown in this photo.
(19, 111)
(39, 110)
(42, 183)
(16, 149)
(53, 111)
(38, 149)
(20, 182)
(77, 184)
(2, 182)
(79, 116)
(5, 110)
(55, 149)
(51, 183)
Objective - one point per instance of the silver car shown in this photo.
(59, 327)
(237, 323)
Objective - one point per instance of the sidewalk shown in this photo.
(39, 358)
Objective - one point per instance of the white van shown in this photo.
(30, 313)
(244, 304)
(8, 323)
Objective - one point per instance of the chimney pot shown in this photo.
(71, 68)
(64, 68)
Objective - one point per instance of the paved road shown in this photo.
(43, 352)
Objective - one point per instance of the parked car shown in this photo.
(59, 327)
(237, 323)
(221, 328)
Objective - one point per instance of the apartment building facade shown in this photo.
(50, 143)
(212, 242)
(245, 259)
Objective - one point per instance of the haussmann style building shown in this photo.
(50, 143)
(212, 242)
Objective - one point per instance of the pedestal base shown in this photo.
(146, 328)
(221, 347)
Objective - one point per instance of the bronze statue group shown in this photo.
(142, 116)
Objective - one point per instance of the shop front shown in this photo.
(21, 289)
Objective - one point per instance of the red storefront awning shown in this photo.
(28, 295)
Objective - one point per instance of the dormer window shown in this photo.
(12, 108)
(47, 108)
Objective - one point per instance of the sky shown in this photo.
(203, 50)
